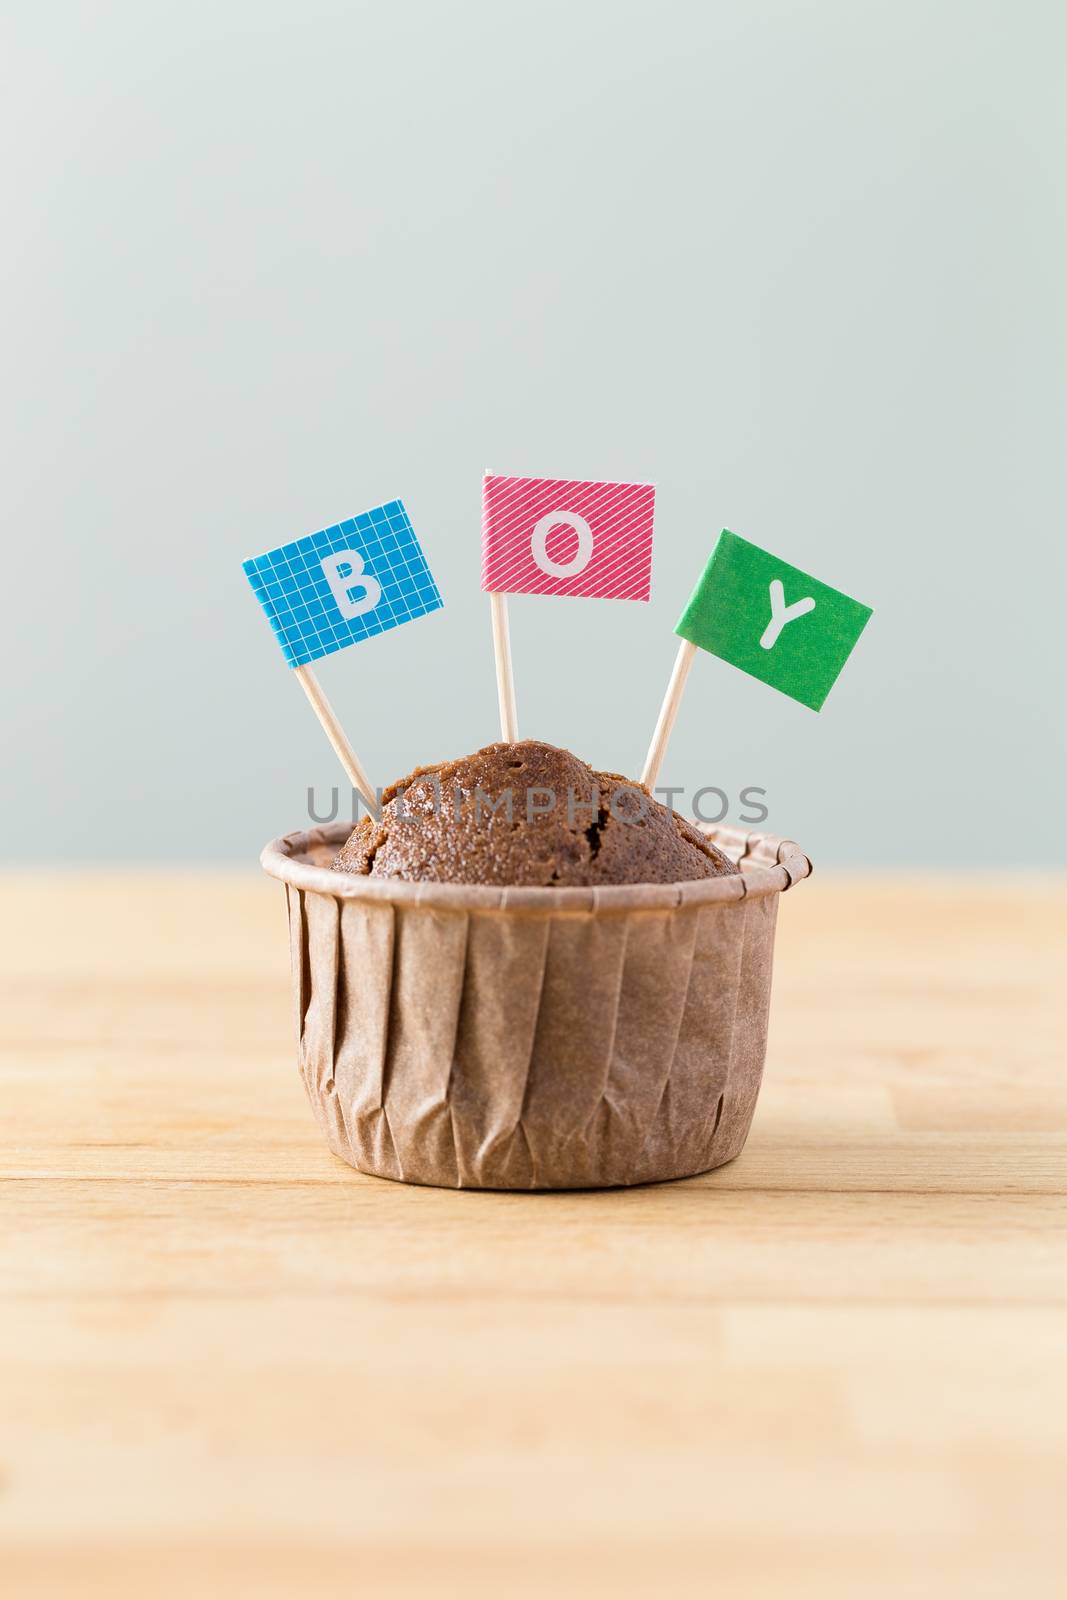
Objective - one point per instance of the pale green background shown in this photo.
(802, 265)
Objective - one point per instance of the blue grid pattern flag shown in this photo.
(342, 584)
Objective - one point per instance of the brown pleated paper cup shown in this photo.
(491, 1038)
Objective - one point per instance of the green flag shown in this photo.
(772, 620)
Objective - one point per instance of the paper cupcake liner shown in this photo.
(474, 1037)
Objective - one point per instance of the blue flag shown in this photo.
(342, 584)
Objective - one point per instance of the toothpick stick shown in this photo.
(667, 713)
(337, 737)
(505, 678)
(505, 681)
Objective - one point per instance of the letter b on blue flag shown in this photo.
(343, 584)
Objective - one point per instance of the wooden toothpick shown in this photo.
(338, 738)
(505, 680)
(667, 713)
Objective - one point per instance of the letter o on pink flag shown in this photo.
(554, 536)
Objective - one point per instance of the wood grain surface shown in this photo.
(229, 1365)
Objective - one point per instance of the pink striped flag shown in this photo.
(548, 536)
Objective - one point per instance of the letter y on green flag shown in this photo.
(772, 620)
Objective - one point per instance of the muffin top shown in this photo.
(530, 814)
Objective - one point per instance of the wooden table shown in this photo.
(231, 1366)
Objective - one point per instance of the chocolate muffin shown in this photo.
(530, 814)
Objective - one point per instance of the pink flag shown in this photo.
(547, 536)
